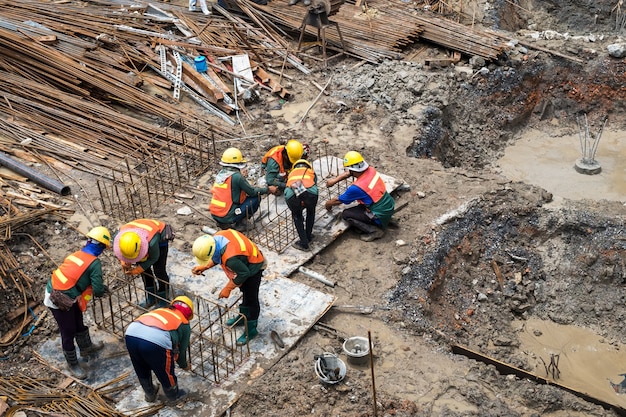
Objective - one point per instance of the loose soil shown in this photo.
(478, 258)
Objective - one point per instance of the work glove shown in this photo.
(106, 292)
(134, 271)
(198, 270)
(225, 293)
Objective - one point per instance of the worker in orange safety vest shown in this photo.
(69, 289)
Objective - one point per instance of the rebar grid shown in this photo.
(213, 352)
(277, 230)
(146, 179)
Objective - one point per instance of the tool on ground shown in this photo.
(276, 339)
(359, 309)
(316, 275)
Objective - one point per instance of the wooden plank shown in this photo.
(206, 87)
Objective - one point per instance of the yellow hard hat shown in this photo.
(100, 234)
(354, 162)
(303, 161)
(183, 304)
(294, 150)
(232, 156)
(203, 249)
(130, 245)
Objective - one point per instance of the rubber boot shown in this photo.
(151, 390)
(86, 346)
(246, 337)
(162, 299)
(73, 365)
(174, 395)
(238, 320)
(150, 299)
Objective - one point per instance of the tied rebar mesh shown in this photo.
(213, 351)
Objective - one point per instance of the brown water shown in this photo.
(548, 162)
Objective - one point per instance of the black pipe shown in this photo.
(31, 174)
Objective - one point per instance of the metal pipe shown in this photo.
(34, 175)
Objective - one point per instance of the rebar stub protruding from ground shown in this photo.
(587, 167)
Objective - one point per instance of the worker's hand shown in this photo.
(329, 205)
(272, 189)
(198, 270)
(126, 265)
(225, 293)
(330, 182)
(134, 271)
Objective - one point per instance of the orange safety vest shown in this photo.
(222, 199)
(304, 174)
(276, 153)
(238, 244)
(151, 226)
(163, 318)
(67, 275)
(371, 183)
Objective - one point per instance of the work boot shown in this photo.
(307, 2)
(86, 346)
(73, 365)
(249, 334)
(174, 395)
(376, 234)
(162, 299)
(151, 390)
(150, 298)
(238, 320)
(298, 245)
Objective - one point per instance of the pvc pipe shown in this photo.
(34, 175)
(316, 276)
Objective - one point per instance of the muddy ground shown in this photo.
(475, 251)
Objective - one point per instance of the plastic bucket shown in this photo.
(329, 368)
(357, 350)
(200, 62)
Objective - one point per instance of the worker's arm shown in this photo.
(332, 203)
(241, 183)
(332, 181)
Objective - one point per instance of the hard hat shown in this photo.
(303, 162)
(100, 234)
(232, 157)
(354, 162)
(130, 245)
(203, 249)
(183, 304)
(294, 150)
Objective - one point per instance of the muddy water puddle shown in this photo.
(548, 162)
(575, 357)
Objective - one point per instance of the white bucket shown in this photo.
(329, 368)
(357, 350)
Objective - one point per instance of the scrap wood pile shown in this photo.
(380, 29)
(43, 396)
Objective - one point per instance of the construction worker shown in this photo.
(277, 163)
(69, 289)
(243, 263)
(156, 342)
(142, 247)
(373, 213)
(301, 194)
(234, 199)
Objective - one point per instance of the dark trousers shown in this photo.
(298, 204)
(250, 290)
(158, 270)
(361, 214)
(70, 322)
(248, 207)
(148, 357)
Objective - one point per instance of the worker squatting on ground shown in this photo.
(243, 263)
(234, 199)
(142, 247)
(277, 163)
(376, 206)
(69, 289)
(301, 194)
(156, 342)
